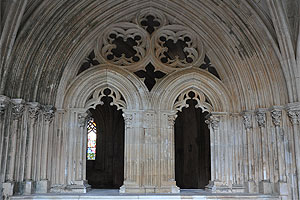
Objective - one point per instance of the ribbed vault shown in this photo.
(54, 38)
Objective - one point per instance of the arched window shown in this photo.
(91, 148)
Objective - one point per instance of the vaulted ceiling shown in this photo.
(44, 42)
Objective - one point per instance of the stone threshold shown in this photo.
(114, 194)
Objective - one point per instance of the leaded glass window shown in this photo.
(91, 148)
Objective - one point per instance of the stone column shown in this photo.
(167, 153)
(4, 102)
(133, 149)
(248, 139)
(43, 186)
(294, 116)
(33, 110)
(279, 153)
(264, 184)
(17, 113)
(80, 184)
(217, 182)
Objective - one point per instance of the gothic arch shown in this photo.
(199, 80)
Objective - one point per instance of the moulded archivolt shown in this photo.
(98, 94)
(202, 101)
(109, 44)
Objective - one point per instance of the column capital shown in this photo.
(294, 116)
(213, 121)
(18, 108)
(276, 116)
(34, 110)
(83, 118)
(128, 119)
(247, 119)
(171, 119)
(4, 102)
(261, 117)
(48, 112)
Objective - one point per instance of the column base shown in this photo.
(28, 187)
(217, 187)
(265, 187)
(282, 188)
(81, 186)
(8, 188)
(43, 186)
(238, 189)
(250, 187)
(168, 187)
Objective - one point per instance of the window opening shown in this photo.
(92, 136)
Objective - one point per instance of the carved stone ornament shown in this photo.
(202, 101)
(247, 120)
(4, 101)
(276, 116)
(48, 113)
(261, 118)
(123, 44)
(82, 119)
(213, 121)
(34, 110)
(128, 119)
(294, 116)
(17, 109)
(98, 94)
(171, 120)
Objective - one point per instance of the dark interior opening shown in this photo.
(107, 170)
(192, 148)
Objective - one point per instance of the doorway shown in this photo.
(192, 148)
(106, 171)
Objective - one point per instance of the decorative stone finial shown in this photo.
(276, 116)
(48, 113)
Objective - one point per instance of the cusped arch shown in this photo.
(195, 80)
(127, 91)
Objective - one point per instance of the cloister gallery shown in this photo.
(145, 97)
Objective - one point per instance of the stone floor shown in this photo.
(114, 194)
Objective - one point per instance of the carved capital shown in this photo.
(17, 109)
(128, 119)
(294, 116)
(34, 110)
(247, 120)
(261, 118)
(276, 116)
(171, 120)
(48, 113)
(82, 119)
(213, 121)
(4, 101)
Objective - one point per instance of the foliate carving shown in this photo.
(48, 113)
(171, 120)
(34, 110)
(4, 101)
(17, 110)
(261, 118)
(128, 119)
(247, 120)
(276, 116)
(82, 119)
(213, 121)
(117, 98)
(123, 44)
(202, 101)
(177, 46)
(294, 116)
